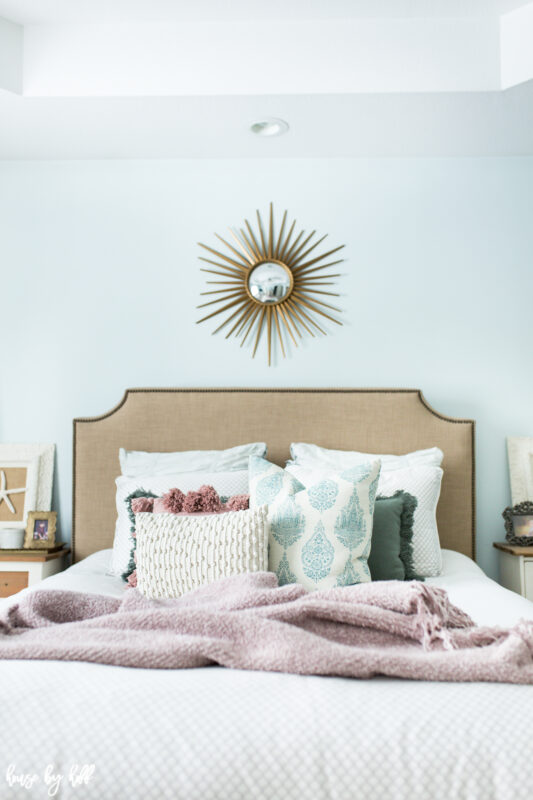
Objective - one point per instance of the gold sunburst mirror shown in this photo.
(271, 283)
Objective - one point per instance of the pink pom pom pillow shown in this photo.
(226, 484)
(203, 501)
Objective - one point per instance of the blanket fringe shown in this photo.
(436, 616)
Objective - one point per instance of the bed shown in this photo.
(221, 733)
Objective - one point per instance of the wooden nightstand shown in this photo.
(516, 568)
(19, 570)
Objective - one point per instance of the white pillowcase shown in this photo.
(176, 554)
(312, 456)
(424, 483)
(225, 483)
(138, 462)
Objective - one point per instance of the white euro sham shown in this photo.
(312, 456)
(139, 462)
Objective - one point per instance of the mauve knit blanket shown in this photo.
(407, 630)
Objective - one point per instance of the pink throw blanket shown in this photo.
(407, 630)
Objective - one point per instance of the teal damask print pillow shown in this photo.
(319, 536)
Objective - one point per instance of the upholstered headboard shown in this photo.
(370, 420)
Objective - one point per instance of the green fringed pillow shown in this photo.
(391, 551)
(131, 564)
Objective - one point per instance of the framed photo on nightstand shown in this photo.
(40, 530)
(519, 524)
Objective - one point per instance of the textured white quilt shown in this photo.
(229, 735)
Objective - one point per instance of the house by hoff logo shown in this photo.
(78, 775)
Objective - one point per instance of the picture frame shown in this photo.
(26, 479)
(520, 456)
(40, 530)
(519, 524)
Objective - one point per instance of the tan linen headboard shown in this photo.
(370, 420)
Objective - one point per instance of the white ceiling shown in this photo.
(447, 124)
(30, 12)
(168, 79)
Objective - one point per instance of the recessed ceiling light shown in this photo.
(270, 126)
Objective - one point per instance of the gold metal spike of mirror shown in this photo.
(270, 282)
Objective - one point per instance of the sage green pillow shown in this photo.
(391, 551)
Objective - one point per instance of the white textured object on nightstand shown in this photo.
(516, 568)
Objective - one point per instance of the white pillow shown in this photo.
(424, 483)
(312, 456)
(225, 483)
(138, 462)
(320, 536)
(176, 554)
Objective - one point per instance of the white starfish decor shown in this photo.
(5, 492)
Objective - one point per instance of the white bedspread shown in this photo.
(216, 734)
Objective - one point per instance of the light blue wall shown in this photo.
(99, 280)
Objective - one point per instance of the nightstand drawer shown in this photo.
(12, 582)
(528, 579)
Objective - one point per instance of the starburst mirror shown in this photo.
(271, 283)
